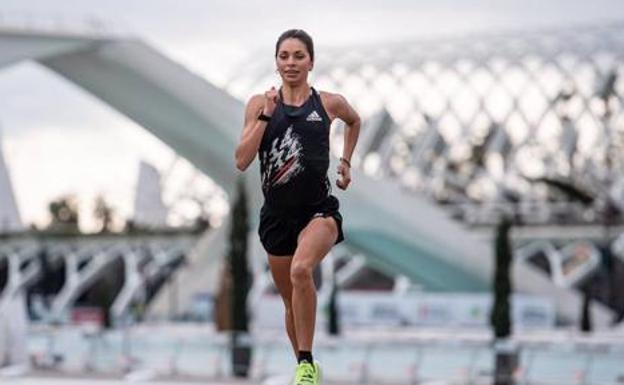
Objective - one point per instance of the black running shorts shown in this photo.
(280, 228)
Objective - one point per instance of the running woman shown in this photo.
(299, 222)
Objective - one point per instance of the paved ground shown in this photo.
(36, 380)
(66, 381)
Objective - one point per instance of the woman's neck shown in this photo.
(295, 95)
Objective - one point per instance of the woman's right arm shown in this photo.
(253, 129)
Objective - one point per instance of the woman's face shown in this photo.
(293, 61)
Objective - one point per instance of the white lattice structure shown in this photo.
(467, 119)
(399, 231)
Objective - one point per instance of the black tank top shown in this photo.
(294, 154)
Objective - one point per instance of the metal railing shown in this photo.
(390, 357)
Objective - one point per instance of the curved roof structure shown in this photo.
(400, 231)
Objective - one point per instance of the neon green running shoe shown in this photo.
(308, 374)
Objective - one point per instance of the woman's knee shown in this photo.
(300, 274)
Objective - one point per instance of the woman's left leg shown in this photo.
(315, 241)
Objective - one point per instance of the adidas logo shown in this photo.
(314, 117)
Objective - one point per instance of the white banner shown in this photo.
(418, 309)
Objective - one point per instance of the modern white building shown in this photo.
(398, 230)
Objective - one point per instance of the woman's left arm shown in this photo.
(341, 109)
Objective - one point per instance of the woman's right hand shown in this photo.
(270, 101)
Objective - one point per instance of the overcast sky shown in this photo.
(47, 124)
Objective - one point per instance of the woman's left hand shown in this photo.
(345, 176)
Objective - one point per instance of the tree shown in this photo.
(586, 322)
(64, 215)
(237, 260)
(103, 213)
(506, 355)
(500, 318)
(333, 311)
(240, 282)
(334, 315)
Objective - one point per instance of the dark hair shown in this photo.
(296, 34)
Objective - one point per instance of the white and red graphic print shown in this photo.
(283, 161)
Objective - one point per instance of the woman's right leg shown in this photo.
(280, 269)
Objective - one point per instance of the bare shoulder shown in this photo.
(331, 99)
(255, 100)
(332, 102)
(337, 106)
(253, 107)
